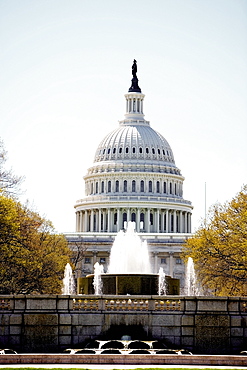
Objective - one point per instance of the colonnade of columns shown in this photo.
(134, 103)
(147, 220)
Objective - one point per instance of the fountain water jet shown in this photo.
(162, 282)
(97, 281)
(129, 271)
(133, 258)
(191, 286)
(68, 281)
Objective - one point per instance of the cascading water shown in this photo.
(68, 281)
(129, 271)
(129, 254)
(97, 281)
(191, 286)
(162, 282)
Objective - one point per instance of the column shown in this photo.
(77, 222)
(181, 222)
(92, 220)
(157, 221)
(138, 220)
(109, 226)
(94, 257)
(167, 221)
(189, 222)
(128, 215)
(174, 221)
(118, 219)
(99, 228)
(162, 221)
(148, 223)
(155, 262)
(104, 216)
(171, 264)
(185, 222)
(85, 221)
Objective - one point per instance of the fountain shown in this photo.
(162, 282)
(97, 281)
(129, 254)
(191, 286)
(129, 271)
(68, 281)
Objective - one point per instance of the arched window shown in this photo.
(109, 186)
(151, 219)
(170, 188)
(175, 190)
(157, 187)
(117, 186)
(134, 150)
(126, 150)
(158, 151)
(109, 150)
(114, 150)
(91, 188)
(140, 150)
(133, 186)
(115, 218)
(120, 150)
(147, 150)
(97, 187)
(125, 186)
(133, 217)
(164, 187)
(150, 186)
(102, 187)
(142, 186)
(153, 150)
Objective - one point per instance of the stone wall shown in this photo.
(206, 325)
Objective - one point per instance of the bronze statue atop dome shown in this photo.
(134, 69)
(134, 86)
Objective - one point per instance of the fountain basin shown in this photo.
(128, 284)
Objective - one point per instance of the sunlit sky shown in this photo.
(66, 65)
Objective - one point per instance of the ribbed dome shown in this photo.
(134, 141)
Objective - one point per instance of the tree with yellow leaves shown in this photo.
(219, 248)
(32, 256)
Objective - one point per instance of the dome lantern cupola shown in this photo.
(134, 100)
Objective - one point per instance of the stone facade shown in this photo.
(133, 178)
(205, 325)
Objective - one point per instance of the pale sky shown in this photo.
(66, 65)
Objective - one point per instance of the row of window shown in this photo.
(163, 261)
(134, 151)
(170, 188)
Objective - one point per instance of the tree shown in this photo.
(219, 249)
(32, 256)
(9, 183)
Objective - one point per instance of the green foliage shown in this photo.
(32, 256)
(219, 249)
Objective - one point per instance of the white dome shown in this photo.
(135, 142)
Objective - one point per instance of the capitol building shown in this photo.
(133, 177)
